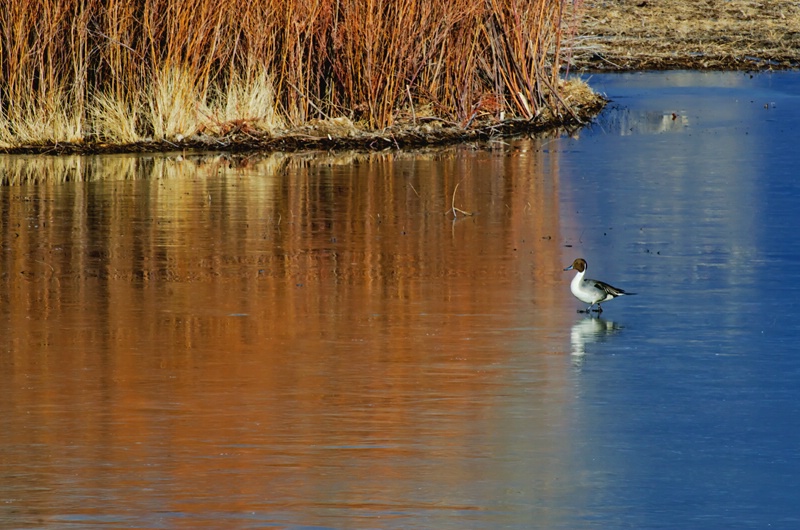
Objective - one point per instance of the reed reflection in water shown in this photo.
(295, 341)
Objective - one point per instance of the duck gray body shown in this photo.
(592, 292)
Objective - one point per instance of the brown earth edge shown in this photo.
(613, 35)
(622, 35)
(337, 135)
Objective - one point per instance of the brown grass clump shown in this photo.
(124, 72)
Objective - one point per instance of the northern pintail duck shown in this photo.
(591, 291)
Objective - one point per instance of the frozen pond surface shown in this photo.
(687, 191)
(310, 342)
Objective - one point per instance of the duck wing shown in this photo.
(610, 289)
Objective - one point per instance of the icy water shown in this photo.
(311, 341)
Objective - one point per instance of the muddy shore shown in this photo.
(316, 137)
(621, 35)
(342, 134)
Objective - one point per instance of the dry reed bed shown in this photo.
(150, 74)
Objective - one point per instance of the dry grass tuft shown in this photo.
(56, 121)
(114, 120)
(246, 102)
(172, 105)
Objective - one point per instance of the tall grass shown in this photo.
(127, 70)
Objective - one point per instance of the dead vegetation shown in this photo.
(696, 34)
(94, 75)
(343, 134)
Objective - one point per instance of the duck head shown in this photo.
(578, 265)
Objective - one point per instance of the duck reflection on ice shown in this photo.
(588, 331)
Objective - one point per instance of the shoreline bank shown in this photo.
(613, 35)
(331, 135)
(629, 35)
